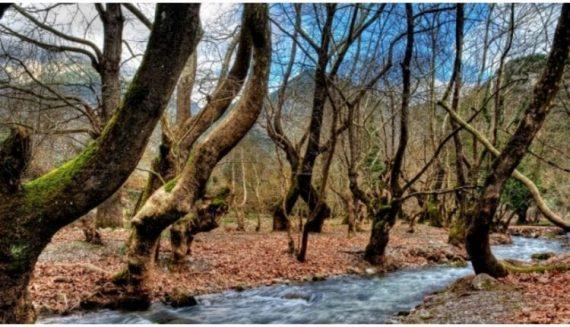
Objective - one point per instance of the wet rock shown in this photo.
(499, 239)
(297, 296)
(280, 281)
(543, 255)
(180, 298)
(62, 279)
(371, 271)
(460, 263)
(483, 282)
(133, 303)
(317, 278)
(424, 314)
(239, 288)
(535, 231)
(354, 270)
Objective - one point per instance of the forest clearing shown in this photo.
(259, 163)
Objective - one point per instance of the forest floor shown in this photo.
(538, 298)
(68, 270)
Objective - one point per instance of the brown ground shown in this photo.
(68, 269)
(538, 298)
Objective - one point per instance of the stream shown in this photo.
(342, 299)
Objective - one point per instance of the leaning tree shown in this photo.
(481, 216)
(32, 212)
(178, 200)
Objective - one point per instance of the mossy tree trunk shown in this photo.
(30, 216)
(206, 218)
(477, 240)
(178, 198)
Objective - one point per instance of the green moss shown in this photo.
(39, 190)
(170, 184)
(535, 268)
(434, 216)
(457, 231)
(19, 257)
(18, 251)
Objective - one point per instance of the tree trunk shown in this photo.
(382, 222)
(206, 219)
(457, 231)
(110, 212)
(184, 90)
(30, 217)
(385, 216)
(303, 175)
(174, 149)
(310, 196)
(178, 198)
(477, 240)
(15, 303)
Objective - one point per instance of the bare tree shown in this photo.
(477, 239)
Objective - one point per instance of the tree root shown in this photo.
(538, 268)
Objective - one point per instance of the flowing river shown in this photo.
(343, 299)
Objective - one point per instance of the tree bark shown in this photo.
(30, 217)
(457, 229)
(385, 218)
(110, 212)
(302, 184)
(178, 198)
(208, 212)
(477, 240)
(184, 90)
(174, 149)
(15, 155)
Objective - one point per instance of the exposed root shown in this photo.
(538, 268)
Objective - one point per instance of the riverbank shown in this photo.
(68, 271)
(538, 298)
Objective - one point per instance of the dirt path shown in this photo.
(69, 269)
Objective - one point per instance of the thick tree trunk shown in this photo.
(15, 154)
(184, 90)
(204, 220)
(30, 217)
(178, 198)
(477, 240)
(15, 303)
(382, 223)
